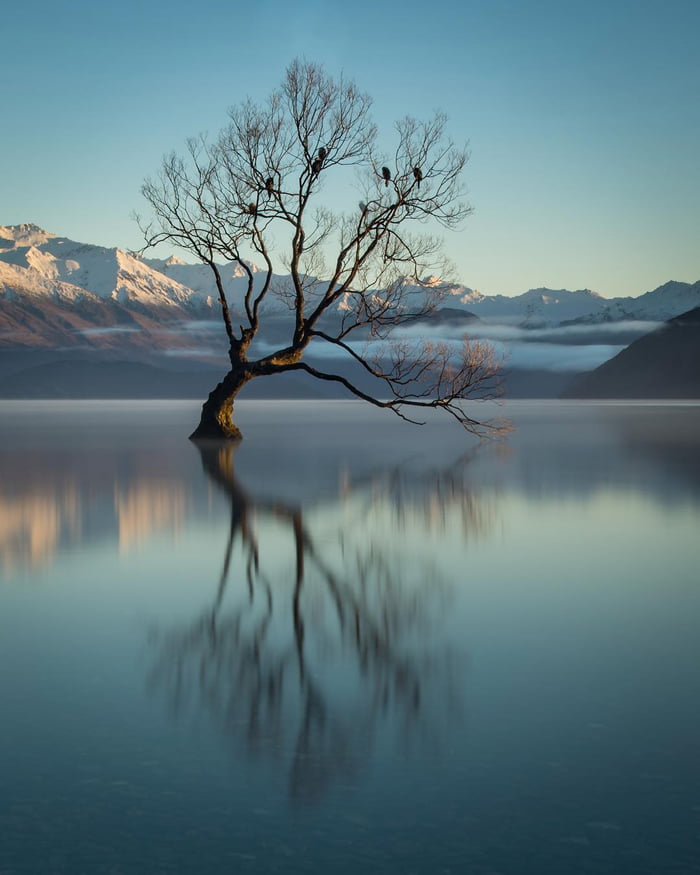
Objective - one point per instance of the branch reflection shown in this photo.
(321, 637)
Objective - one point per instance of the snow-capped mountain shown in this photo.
(549, 308)
(47, 264)
(55, 292)
(198, 277)
(58, 292)
(668, 301)
(535, 308)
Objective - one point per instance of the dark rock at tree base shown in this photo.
(662, 364)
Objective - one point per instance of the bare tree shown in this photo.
(257, 189)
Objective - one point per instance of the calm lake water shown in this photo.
(353, 645)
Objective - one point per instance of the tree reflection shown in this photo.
(319, 640)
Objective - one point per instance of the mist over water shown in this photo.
(350, 644)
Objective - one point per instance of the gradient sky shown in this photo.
(583, 118)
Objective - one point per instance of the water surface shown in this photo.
(351, 644)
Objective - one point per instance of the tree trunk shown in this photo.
(216, 421)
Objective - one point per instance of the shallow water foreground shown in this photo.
(352, 645)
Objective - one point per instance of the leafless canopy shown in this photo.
(257, 190)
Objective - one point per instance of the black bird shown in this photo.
(317, 165)
(417, 175)
(269, 186)
(322, 152)
(386, 173)
(252, 209)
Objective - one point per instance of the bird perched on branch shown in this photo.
(269, 186)
(252, 209)
(317, 163)
(418, 175)
(386, 173)
(363, 207)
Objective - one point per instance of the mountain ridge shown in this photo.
(56, 291)
(663, 364)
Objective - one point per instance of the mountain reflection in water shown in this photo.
(61, 499)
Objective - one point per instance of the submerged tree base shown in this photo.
(216, 422)
(214, 432)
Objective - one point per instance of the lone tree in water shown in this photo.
(257, 190)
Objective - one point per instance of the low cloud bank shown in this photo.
(192, 352)
(560, 358)
(116, 329)
(523, 356)
(563, 349)
(610, 333)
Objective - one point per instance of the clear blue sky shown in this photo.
(583, 118)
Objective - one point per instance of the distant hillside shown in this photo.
(78, 378)
(444, 316)
(662, 364)
(74, 378)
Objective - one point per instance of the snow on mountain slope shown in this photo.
(51, 263)
(55, 292)
(541, 308)
(199, 278)
(22, 235)
(673, 297)
(659, 305)
(17, 281)
(535, 308)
